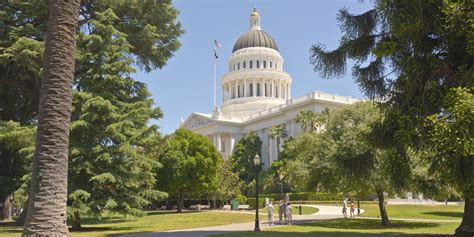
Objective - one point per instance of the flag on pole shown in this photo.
(216, 46)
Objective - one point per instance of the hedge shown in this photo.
(304, 196)
(261, 201)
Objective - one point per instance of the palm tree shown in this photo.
(46, 213)
(277, 132)
(311, 121)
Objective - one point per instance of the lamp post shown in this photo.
(281, 181)
(257, 161)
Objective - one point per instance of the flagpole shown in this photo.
(215, 91)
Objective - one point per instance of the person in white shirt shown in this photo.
(270, 210)
(344, 207)
(289, 218)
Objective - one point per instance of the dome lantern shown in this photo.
(255, 20)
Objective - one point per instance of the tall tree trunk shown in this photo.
(383, 210)
(48, 190)
(6, 214)
(180, 203)
(466, 229)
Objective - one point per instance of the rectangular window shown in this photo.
(243, 65)
(276, 91)
(266, 92)
(250, 64)
(238, 66)
(271, 64)
(264, 64)
(251, 89)
(258, 63)
(258, 87)
(238, 91)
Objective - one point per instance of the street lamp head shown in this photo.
(257, 160)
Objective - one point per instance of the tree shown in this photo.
(17, 141)
(190, 165)
(109, 167)
(311, 121)
(229, 183)
(451, 134)
(408, 54)
(277, 132)
(48, 190)
(242, 157)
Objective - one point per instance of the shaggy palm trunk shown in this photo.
(466, 229)
(383, 211)
(6, 214)
(48, 189)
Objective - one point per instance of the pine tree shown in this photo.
(109, 168)
(409, 55)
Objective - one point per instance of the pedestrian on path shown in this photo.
(353, 207)
(270, 210)
(344, 207)
(288, 216)
(281, 210)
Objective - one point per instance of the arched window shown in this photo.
(238, 66)
(250, 64)
(258, 87)
(251, 89)
(243, 65)
(264, 64)
(271, 64)
(258, 63)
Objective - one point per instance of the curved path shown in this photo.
(324, 213)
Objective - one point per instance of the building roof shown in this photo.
(255, 38)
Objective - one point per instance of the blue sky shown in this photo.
(185, 84)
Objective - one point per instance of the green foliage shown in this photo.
(109, 168)
(190, 165)
(17, 143)
(307, 196)
(242, 157)
(261, 202)
(229, 183)
(311, 121)
(452, 137)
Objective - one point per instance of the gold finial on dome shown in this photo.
(254, 13)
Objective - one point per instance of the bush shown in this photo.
(304, 196)
(261, 201)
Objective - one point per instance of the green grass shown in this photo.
(353, 228)
(153, 221)
(439, 212)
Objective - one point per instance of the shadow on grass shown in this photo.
(361, 224)
(312, 234)
(445, 213)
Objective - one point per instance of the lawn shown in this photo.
(439, 212)
(353, 228)
(153, 221)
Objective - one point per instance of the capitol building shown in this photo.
(256, 94)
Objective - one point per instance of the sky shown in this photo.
(185, 84)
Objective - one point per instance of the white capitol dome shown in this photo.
(256, 80)
(256, 94)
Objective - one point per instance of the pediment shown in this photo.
(195, 121)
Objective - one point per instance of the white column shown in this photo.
(254, 88)
(218, 138)
(289, 91)
(272, 89)
(235, 89)
(232, 143)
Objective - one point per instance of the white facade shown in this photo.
(256, 94)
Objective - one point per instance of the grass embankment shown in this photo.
(353, 228)
(153, 221)
(438, 212)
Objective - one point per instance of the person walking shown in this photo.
(353, 207)
(344, 207)
(281, 210)
(270, 210)
(288, 216)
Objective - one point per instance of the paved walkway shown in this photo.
(324, 213)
